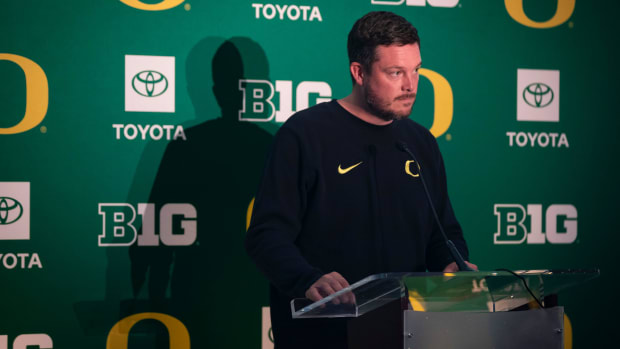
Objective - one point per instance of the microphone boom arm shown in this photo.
(456, 255)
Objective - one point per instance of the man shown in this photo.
(339, 201)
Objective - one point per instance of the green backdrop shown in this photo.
(107, 106)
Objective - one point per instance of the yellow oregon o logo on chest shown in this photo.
(408, 171)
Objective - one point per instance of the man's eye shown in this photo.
(396, 73)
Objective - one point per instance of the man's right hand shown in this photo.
(329, 284)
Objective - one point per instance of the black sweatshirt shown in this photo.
(338, 195)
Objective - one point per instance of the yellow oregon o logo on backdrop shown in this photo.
(160, 6)
(568, 333)
(118, 337)
(37, 94)
(562, 13)
(444, 102)
(248, 215)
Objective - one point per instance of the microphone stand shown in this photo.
(456, 255)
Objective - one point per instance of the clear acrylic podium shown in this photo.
(449, 310)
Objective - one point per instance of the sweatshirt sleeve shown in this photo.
(437, 254)
(277, 215)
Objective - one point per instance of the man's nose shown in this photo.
(408, 82)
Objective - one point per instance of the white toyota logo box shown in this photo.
(14, 210)
(149, 83)
(538, 95)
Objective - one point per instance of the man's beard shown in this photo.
(381, 111)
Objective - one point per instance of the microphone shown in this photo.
(456, 255)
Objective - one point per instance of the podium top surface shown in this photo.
(481, 291)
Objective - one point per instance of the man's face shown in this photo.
(391, 84)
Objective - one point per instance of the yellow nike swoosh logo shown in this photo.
(345, 170)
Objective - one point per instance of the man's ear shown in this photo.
(357, 72)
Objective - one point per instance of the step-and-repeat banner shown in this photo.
(133, 135)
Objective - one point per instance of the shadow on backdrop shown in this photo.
(211, 286)
(199, 74)
(214, 288)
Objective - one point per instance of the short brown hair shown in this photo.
(378, 28)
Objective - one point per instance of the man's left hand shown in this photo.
(452, 267)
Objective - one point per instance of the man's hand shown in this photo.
(452, 267)
(330, 284)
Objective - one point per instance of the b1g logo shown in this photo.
(25, 341)
(258, 94)
(512, 229)
(14, 210)
(433, 3)
(160, 6)
(119, 229)
(149, 83)
(563, 12)
(37, 94)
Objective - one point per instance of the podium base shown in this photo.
(532, 329)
